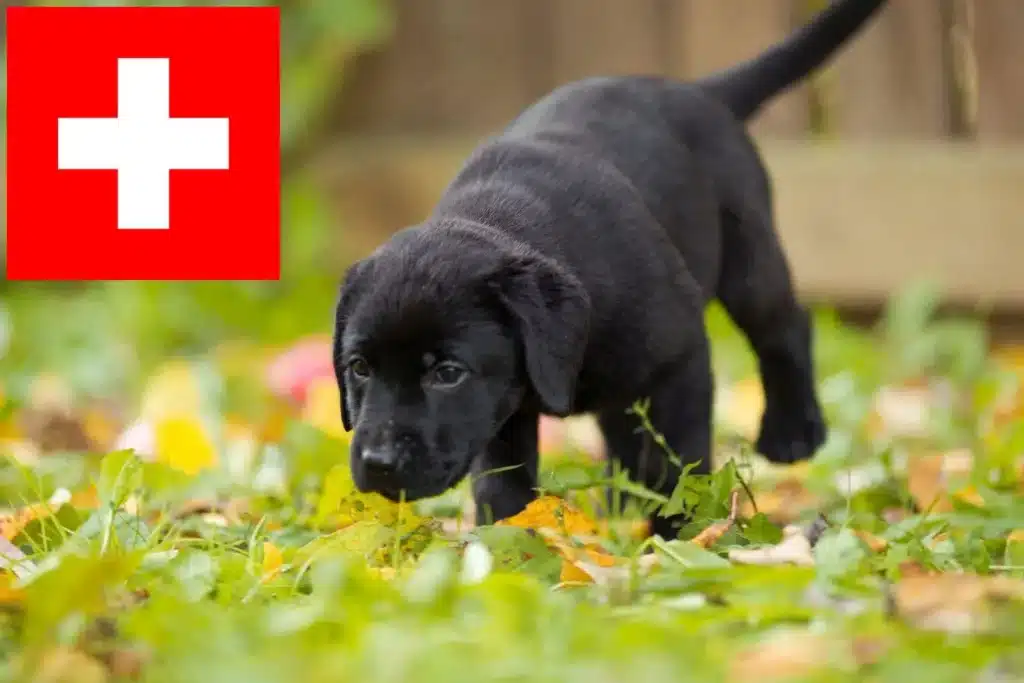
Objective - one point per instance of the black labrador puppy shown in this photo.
(566, 269)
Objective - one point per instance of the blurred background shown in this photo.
(899, 164)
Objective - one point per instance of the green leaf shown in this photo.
(120, 477)
(689, 555)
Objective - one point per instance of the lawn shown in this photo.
(190, 517)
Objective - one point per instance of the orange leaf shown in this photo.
(552, 512)
(876, 543)
(710, 536)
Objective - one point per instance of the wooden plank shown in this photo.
(888, 82)
(861, 220)
(493, 60)
(708, 35)
(605, 37)
(858, 221)
(999, 50)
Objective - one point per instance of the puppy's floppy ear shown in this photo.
(350, 288)
(551, 311)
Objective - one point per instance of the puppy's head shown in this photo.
(440, 336)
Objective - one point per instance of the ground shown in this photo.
(208, 529)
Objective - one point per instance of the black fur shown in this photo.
(566, 269)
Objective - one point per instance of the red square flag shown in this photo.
(143, 143)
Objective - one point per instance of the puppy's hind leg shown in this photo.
(680, 410)
(756, 290)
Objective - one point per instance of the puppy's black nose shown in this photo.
(380, 460)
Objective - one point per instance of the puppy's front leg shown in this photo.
(680, 410)
(505, 475)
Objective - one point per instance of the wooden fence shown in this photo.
(922, 175)
(925, 69)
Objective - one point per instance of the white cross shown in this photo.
(142, 144)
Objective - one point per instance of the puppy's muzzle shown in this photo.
(380, 462)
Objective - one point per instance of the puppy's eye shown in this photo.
(447, 374)
(359, 368)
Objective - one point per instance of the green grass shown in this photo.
(141, 584)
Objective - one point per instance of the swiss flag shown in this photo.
(143, 143)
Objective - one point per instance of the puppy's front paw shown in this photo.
(791, 435)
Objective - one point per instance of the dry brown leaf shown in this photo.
(955, 603)
(710, 536)
(911, 568)
(785, 654)
(785, 502)
(63, 664)
(875, 543)
(793, 549)
(931, 478)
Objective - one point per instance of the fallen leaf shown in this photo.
(183, 443)
(272, 560)
(875, 543)
(64, 664)
(569, 532)
(905, 410)
(9, 594)
(954, 603)
(12, 523)
(910, 568)
(786, 501)
(713, 533)
(786, 654)
(554, 513)
(793, 549)
(931, 478)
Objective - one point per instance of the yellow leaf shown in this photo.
(272, 560)
(572, 574)
(384, 573)
(182, 443)
(9, 595)
(322, 408)
(12, 523)
(85, 498)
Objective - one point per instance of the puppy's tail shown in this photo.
(745, 87)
